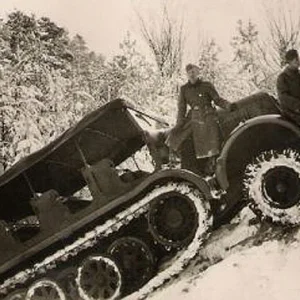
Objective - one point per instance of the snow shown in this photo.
(44, 94)
(35, 289)
(183, 257)
(233, 266)
(113, 225)
(269, 271)
(256, 172)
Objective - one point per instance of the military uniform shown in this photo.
(288, 89)
(197, 118)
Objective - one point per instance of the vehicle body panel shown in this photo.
(108, 132)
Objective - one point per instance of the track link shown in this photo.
(124, 218)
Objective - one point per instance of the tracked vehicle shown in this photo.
(138, 228)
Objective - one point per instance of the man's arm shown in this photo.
(285, 98)
(182, 106)
(217, 99)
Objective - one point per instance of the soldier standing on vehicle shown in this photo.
(197, 134)
(288, 87)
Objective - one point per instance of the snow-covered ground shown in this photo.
(241, 261)
(269, 271)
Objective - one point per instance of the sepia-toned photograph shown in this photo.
(150, 149)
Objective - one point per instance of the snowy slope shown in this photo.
(241, 261)
(269, 271)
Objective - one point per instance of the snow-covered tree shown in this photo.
(37, 99)
(245, 47)
(208, 60)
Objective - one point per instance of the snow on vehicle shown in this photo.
(140, 228)
(260, 161)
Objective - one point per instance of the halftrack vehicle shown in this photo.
(139, 228)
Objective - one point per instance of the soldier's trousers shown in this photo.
(204, 167)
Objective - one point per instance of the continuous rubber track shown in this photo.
(91, 238)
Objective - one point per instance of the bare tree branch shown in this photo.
(166, 42)
(284, 32)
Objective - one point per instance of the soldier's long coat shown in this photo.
(197, 116)
(288, 89)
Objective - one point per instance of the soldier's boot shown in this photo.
(218, 202)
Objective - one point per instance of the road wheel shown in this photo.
(67, 280)
(45, 289)
(135, 260)
(99, 278)
(17, 295)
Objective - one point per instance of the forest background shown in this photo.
(49, 78)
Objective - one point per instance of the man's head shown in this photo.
(292, 59)
(192, 72)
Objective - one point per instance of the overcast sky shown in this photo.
(104, 23)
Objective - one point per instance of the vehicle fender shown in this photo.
(258, 134)
(178, 175)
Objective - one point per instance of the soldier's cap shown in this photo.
(291, 55)
(190, 67)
